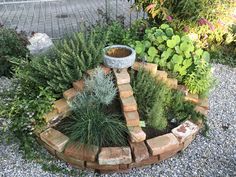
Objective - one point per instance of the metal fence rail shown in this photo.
(60, 17)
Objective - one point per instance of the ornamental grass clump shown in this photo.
(90, 124)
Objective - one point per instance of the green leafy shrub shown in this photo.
(90, 123)
(175, 53)
(182, 9)
(12, 44)
(163, 106)
(66, 63)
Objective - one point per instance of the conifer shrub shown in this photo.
(90, 124)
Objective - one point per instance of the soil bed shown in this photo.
(118, 52)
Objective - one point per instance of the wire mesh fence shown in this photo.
(60, 17)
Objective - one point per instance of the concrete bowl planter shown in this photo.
(119, 56)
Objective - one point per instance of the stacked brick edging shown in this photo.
(140, 152)
(119, 159)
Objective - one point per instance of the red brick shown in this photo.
(185, 130)
(172, 83)
(70, 94)
(96, 166)
(51, 116)
(106, 70)
(129, 104)
(204, 103)
(161, 75)
(168, 154)
(150, 67)
(49, 148)
(183, 89)
(114, 156)
(71, 160)
(151, 160)
(192, 98)
(161, 144)
(79, 85)
(61, 106)
(139, 151)
(125, 90)
(132, 118)
(201, 110)
(54, 139)
(137, 134)
(82, 152)
(123, 77)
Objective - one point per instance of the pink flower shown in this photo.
(169, 18)
(203, 21)
(186, 29)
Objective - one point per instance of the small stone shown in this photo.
(192, 98)
(185, 130)
(201, 110)
(139, 151)
(137, 134)
(161, 75)
(82, 152)
(122, 77)
(69, 94)
(54, 139)
(150, 67)
(61, 106)
(78, 85)
(162, 144)
(172, 83)
(132, 118)
(129, 104)
(125, 90)
(114, 156)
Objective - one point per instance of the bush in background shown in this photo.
(12, 44)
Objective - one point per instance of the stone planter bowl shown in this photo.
(119, 56)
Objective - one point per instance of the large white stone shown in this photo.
(39, 43)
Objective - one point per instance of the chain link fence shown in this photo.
(60, 17)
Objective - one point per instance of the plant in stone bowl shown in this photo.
(91, 123)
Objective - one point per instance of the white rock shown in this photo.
(39, 43)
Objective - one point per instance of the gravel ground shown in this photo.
(211, 157)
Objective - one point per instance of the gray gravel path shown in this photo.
(209, 157)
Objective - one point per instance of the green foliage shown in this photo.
(12, 44)
(115, 33)
(163, 106)
(182, 9)
(102, 87)
(90, 124)
(67, 63)
(93, 127)
(175, 53)
(25, 108)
